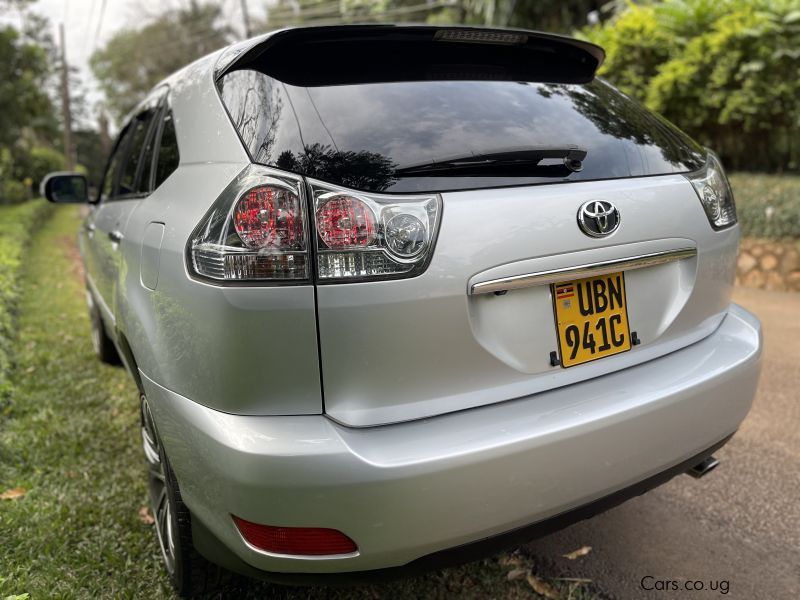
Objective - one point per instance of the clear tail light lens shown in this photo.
(362, 237)
(715, 193)
(256, 231)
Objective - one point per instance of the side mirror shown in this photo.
(64, 187)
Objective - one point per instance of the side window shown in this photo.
(129, 181)
(146, 177)
(110, 177)
(168, 155)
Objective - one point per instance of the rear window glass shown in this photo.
(375, 136)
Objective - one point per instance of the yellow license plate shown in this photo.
(591, 318)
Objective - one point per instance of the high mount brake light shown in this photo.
(715, 193)
(258, 231)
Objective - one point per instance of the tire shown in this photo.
(103, 345)
(189, 573)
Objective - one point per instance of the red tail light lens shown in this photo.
(367, 237)
(346, 222)
(263, 227)
(255, 231)
(270, 217)
(298, 541)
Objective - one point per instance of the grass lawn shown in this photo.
(16, 223)
(70, 439)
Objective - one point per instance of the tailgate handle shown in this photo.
(629, 263)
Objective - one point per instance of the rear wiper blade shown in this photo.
(513, 161)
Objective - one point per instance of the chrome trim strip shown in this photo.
(630, 263)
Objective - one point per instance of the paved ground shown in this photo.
(740, 524)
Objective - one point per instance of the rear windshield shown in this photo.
(384, 136)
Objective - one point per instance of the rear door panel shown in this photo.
(408, 349)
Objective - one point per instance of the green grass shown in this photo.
(16, 223)
(70, 438)
(768, 205)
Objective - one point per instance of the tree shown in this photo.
(24, 70)
(725, 71)
(546, 15)
(135, 60)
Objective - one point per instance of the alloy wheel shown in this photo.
(161, 506)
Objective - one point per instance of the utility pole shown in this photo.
(246, 19)
(65, 103)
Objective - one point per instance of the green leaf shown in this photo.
(792, 17)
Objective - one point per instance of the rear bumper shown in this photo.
(410, 490)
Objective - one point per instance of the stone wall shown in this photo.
(769, 265)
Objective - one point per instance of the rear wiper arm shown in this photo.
(517, 160)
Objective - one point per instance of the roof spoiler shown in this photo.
(341, 54)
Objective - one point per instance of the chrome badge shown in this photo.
(598, 218)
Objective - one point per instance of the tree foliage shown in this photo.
(135, 60)
(23, 75)
(27, 118)
(547, 15)
(726, 71)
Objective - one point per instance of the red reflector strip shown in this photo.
(303, 541)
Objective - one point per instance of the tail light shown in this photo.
(258, 230)
(362, 237)
(295, 541)
(715, 193)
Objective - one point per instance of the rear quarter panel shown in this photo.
(246, 350)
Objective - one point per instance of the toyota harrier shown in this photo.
(397, 296)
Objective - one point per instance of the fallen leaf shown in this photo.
(510, 561)
(583, 551)
(542, 587)
(516, 574)
(13, 493)
(145, 516)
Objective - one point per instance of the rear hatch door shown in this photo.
(490, 124)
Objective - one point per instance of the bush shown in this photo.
(768, 205)
(14, 192)
(43, 160)
(16, 224)
(725, 71)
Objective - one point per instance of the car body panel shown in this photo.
(409, 349)
(403, 491)
(238, 350)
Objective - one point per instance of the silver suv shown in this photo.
(398, 296)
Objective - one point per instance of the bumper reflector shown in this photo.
(299, 541)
